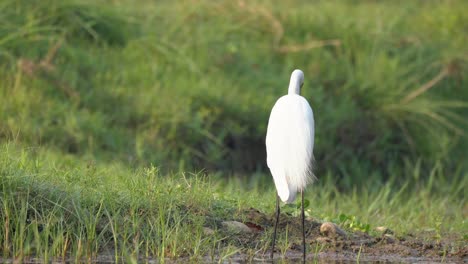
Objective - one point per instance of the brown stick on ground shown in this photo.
(45, 69)
(309, 45)
(278, 31)
(258, 10)
(46, 63)
(442, 74)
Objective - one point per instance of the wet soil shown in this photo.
(350, 246)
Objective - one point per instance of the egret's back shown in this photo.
(289, 144)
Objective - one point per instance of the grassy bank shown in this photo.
(60, 207)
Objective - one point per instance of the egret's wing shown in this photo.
(275, 145)
(289, 143)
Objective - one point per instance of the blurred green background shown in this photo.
(130, 127)
(189, 85)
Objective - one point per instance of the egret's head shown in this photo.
(296, 82)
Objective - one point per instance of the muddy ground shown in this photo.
(326, 243)
(336, 245)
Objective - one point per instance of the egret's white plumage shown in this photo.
(290, 141)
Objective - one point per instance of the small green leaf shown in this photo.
(343, 217)
(306, 204)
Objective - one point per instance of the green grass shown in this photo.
(88, 209)
(128, 128)
(56, 206)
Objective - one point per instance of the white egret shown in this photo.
(289, 145)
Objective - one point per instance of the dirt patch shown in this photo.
(328, 243)
(350, 246)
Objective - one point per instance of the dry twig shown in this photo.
(307, 46)
(442, 74)
(45, 69)
(277, 27)
(278, 31)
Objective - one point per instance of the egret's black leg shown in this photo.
(303, 230)
(276, 226)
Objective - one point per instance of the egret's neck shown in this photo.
(294, 86)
